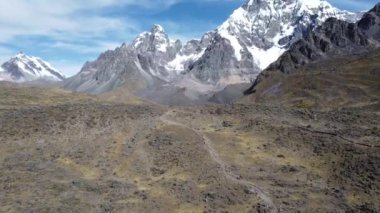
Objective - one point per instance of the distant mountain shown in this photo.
(333, 39)
(24, 68)
(140, 63)
(254, 36)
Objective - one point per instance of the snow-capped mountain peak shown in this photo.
(265, 28)
(154, 41)
(22, 67)
(156, 28)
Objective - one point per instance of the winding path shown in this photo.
(223, 165)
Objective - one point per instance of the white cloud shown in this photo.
(354, 5)
(67, 18)
(85, 48)
(56, 19)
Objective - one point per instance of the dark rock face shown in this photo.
(217, 61)
(334, 38)
(13, 69)
(370, 23)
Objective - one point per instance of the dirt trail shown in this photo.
(223, 165)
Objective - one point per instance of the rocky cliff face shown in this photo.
(334, 38)
(157, 50)
(23, 68)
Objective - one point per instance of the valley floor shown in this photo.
(70, 152)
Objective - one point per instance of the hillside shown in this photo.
(339, 83)
(63, 151)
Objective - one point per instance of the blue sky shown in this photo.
(69, 32)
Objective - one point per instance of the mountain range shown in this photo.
(158, 68)
(253, 37)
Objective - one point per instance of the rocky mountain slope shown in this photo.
(333, 39)
(351, 81)
(255, 35)
(24, 68)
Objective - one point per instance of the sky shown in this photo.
(67, 33)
